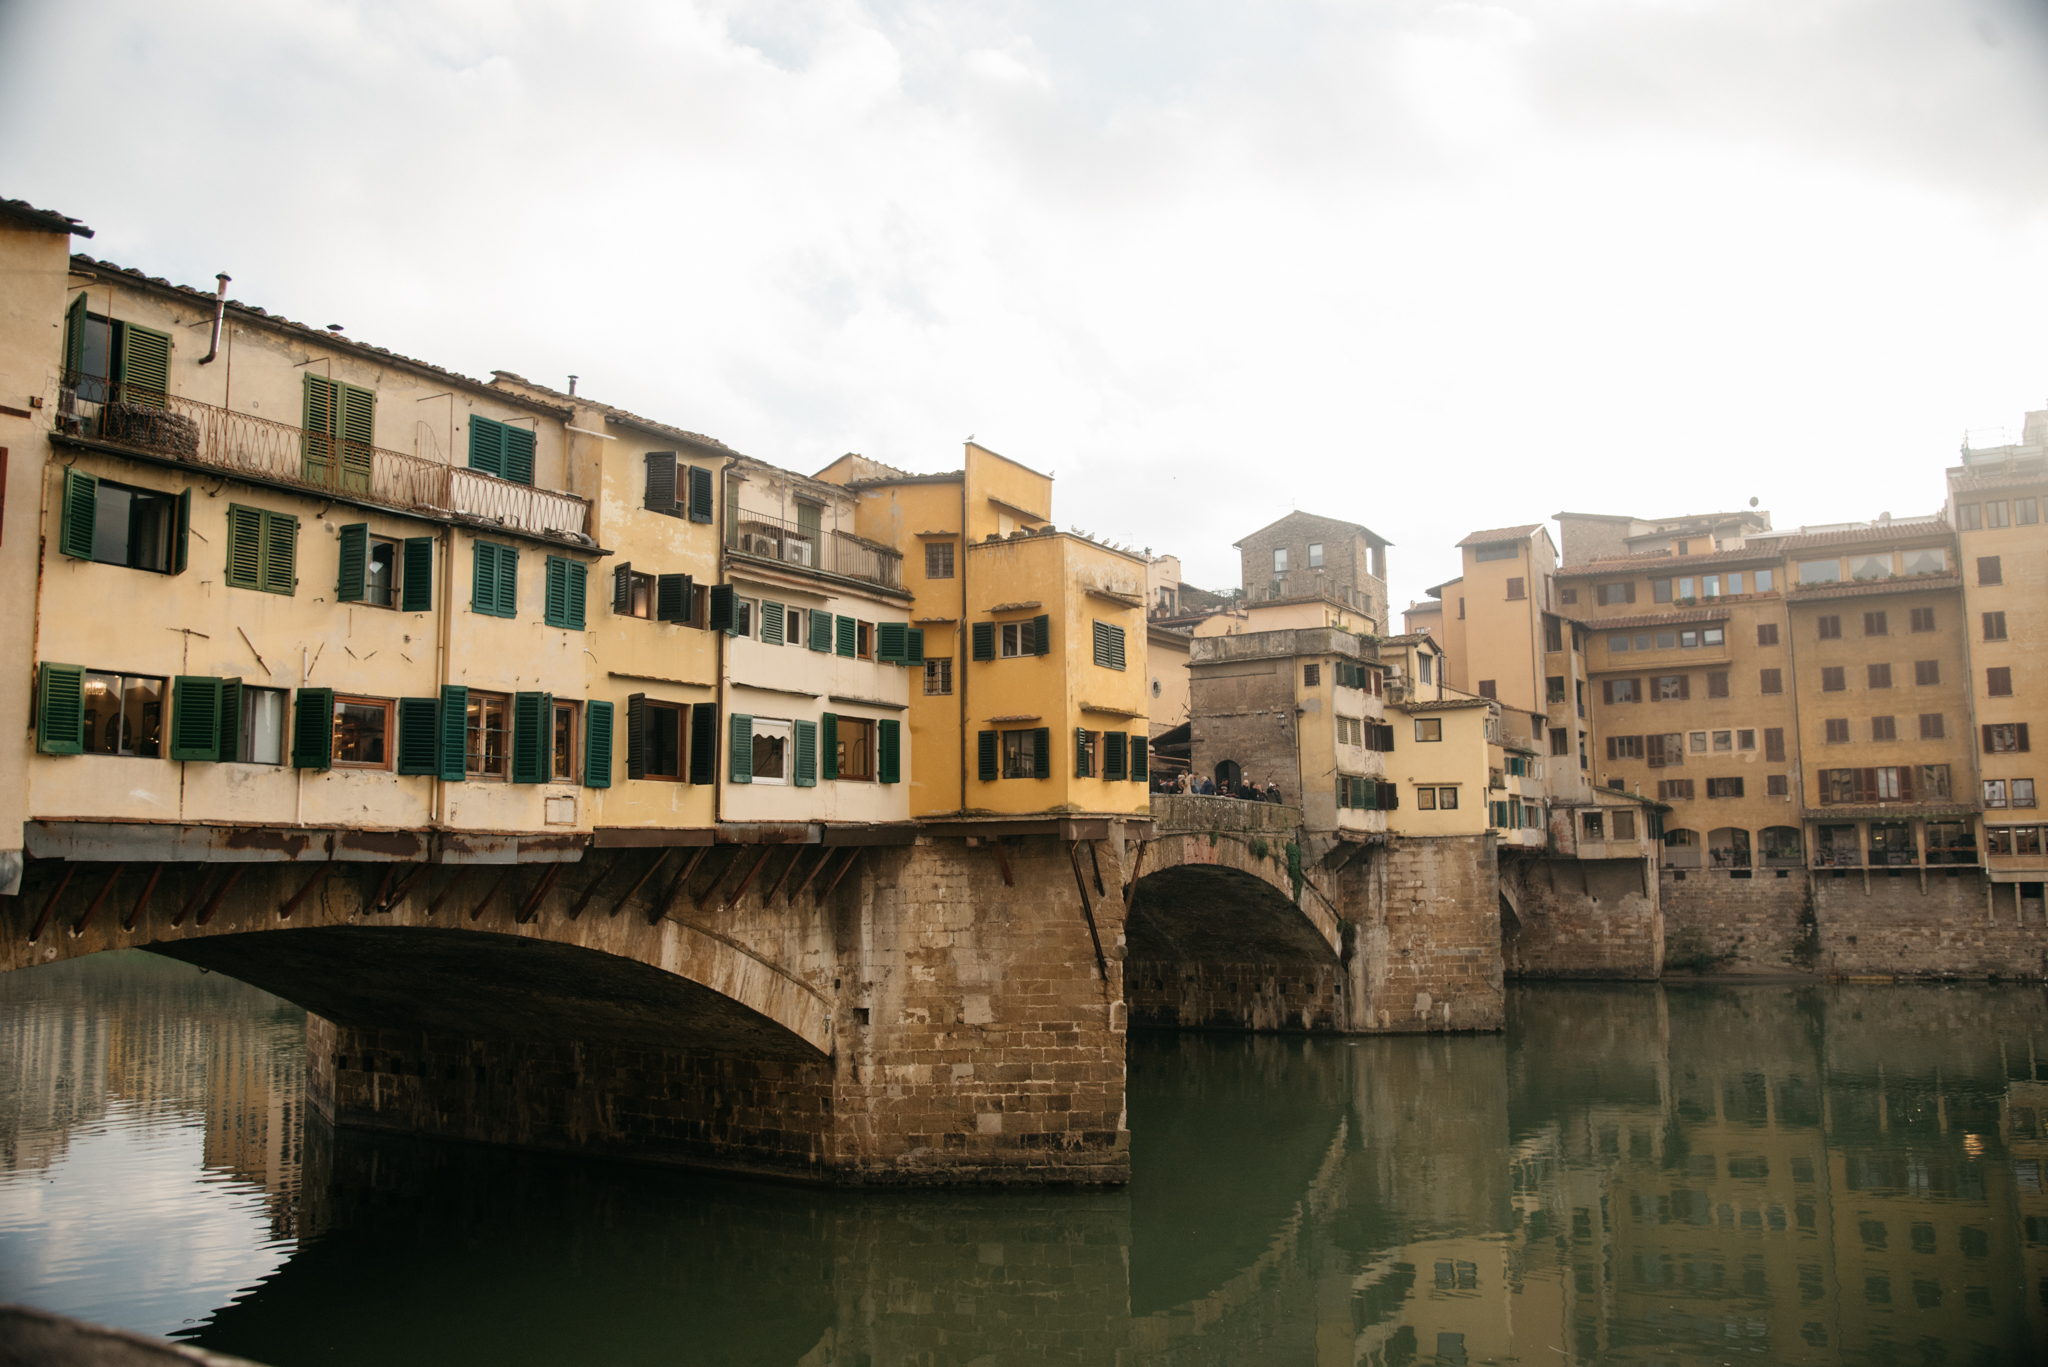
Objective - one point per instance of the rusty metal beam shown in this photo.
(1088, 911)
(284, 913)
(852, 859)
(142, 902)
(704, 897)
(641, 881)
(591, 891)
(78, 926)
(461, 872)
(1095, 862)
(213, 905)
(531, 907)
(824, 858)
(404, 889)
(384, 886)
(198, 895)
(796, 857)
(1137, 867)
(748, 881)
(51, 905)
(492, 895)
(1003, 863)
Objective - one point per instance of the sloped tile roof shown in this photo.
(1659, 619)
(1863, 588)
(21, 211)
(1487, 538)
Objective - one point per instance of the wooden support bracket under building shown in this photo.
(1095, 862)
(1088, 911)
(404, 888)
(704, 897)
(284, 913)
(461, 872)
(1137, 866)
(824, 858)
(530, 908)
(142, 902)
(596, 882)
(796, 856)
(198, 895)
(51, 904)
(658, 908)
(492, 895)
(213, 903)
(78, 926)
(844, 869)
(384, 887)
(641, 881)
(748, 881)
(1003, 863)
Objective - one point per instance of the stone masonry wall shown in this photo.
(1583, 918)
(1717, 923)
(1185, 995)
(1424, 951)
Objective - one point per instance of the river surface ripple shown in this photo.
(1630, 1173)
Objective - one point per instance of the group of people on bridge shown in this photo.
(1245, 789)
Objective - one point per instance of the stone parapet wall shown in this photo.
(1177, 812)
(1582, 918)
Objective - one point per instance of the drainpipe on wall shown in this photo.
(220, 313)
(962, 664)
(441, 628)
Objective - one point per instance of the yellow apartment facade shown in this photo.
(1034, 699)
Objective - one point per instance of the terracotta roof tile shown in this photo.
(21, 211)
(1919, 583)
(1489, 537)
(1664, 560)
(1660, 619)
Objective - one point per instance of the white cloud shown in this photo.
(1429, 266)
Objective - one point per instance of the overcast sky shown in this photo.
(1427, 266)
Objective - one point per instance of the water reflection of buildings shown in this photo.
(165, 1043)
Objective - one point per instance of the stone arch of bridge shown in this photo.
(612, 974)
(1226, 898)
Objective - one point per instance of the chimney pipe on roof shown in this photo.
(220, 313)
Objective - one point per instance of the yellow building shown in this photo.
(1035, 692)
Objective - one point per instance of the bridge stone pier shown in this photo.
(943, 1002)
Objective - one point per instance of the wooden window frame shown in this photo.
(938, 560)
(845, 726)
(681, 711)
(389, 707)
(938, 670)
(574, 710)
(475, 738)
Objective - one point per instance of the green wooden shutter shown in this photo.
(742, 748)
(636, 735)
(660, 493)
(984, 640)
(519, 443)
(700, 494)
(771, 623)
(483, 595)
(487, 446)
(597, 745)
(280, 553)
(453, 733)
(419, 735)
(579, 583)
(1041, 634)
(846, 635)
(322, 414)
(1109, 646)
(704, 743)
(417, 593)
(245, 548)
(532, 715)
(355, 559)
(181, 548)
(913, 646)
(313, 729)
(1115, 756)
(508, 581)
(1080, 752)
(821, 629)
(358, 438)
(988, 755)
(195, 717)
(806, 754)
(74, 340)
(230, 734)
(80, 513)
(723, 610)
(830, 725)
(622, 589)
(892, 642)
(555, 592)
(60, 709)
(145, 364)
(889, 748)
(672, 594)
(1041, 743)
(1141, 758)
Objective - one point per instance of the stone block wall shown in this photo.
(1582, 918)
(1201, 995)
(1715, 922)
(1892, 925)
(1424, 946)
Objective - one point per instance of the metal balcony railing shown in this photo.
(826, 550)
(200, 434)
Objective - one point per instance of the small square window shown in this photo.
(856, 749)
(771, 751)
(1315, 555)
(1429, 728)
(380, 573)
(1311, 676)
(362, 733)
(938, 677)
(124, 715)
(1279, 560)
(488, 739)
(1766, 633)
(938, 560)
(1447, 799)
(1745, 740)
(1994, 792)
(2023, 792)
(1425, 799)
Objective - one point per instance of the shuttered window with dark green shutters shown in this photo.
(636, 735)
(988, 755)
(806, 754)
(419, 735)
(60, 709)
(1041, 761)
(700, 494)
(892, 642)
(723, 615)
(80, 514)
(340, 435)
(263, 550)
(821, 630)
(846, 633)
(597, 745)
(742, 745)
(501, 449)
(889, 751)
(533, 717)
(772, 618)
(673, 598)
(138, 543)
(1041, 634)
(1109, 646)
(830, 724)
(660, 496)
(195, 717)
(496, 589)
(313, 729)
(704, 743)
(417, 592)
(454, 733)
(1115, 756)
(566, 582)
(145, 364)
(1141, 758)
(230, 734)
(984, 640)
(913, 646)
(355, 561)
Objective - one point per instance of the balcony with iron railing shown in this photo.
(803, 547)
(168, 427)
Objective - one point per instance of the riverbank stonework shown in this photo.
(1582, 918)
(1427, 954)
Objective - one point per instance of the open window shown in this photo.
(124, 524)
